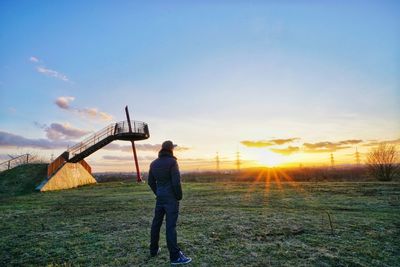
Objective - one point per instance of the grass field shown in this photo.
(221, 224)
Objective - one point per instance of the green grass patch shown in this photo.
(221, 224)
(22, 179)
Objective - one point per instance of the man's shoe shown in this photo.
(155, 254)
(181, 260)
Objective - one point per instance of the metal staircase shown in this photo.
(114, 131)
(71, 161)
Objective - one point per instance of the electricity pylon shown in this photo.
(217, 162)
(357, 156)
(238, 161)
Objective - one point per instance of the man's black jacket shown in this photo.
(164, 176)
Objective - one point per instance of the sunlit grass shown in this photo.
(221, 224)
(268, 176)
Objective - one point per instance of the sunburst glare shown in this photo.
(267, 158)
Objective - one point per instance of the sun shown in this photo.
(269, 159)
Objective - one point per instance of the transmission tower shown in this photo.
(357, 156)
(332, 161)
(217, 162)
(238, 160)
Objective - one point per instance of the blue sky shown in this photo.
(207, 75)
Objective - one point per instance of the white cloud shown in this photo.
(34, 59)
(119, 158)
(12, 140)
(12, 110)
(58, 131)
(52, 73)
(64, 101)
(46, 71)
(94, 113)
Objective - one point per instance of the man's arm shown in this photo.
(152, 182)
(176, 181)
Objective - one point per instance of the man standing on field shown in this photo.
(165, 181)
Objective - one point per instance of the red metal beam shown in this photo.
(138, 176)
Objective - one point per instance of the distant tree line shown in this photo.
(382, 164)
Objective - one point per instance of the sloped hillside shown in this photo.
(22, 179)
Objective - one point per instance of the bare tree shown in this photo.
(383, 162)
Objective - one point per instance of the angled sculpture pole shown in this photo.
(139, 178)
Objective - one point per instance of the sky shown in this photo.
(281, 82)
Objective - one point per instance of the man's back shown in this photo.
(164, 176)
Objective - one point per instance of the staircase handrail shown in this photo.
(110, 130)
(91, 140)
(137, 127)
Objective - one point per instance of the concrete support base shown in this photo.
(70, 175)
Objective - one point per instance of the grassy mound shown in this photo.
(22, 179)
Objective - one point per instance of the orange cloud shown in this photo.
(283, 141)
(286, 151)
(267, 143)
(261, 143)
(377, 142)
(327, 146)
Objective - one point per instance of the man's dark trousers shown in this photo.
(170, 207)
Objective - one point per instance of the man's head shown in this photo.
(168, 145)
